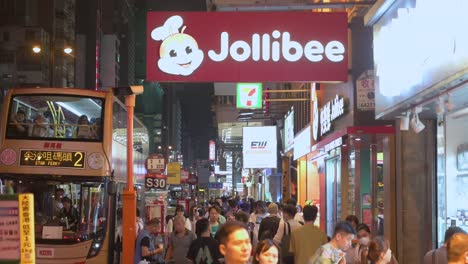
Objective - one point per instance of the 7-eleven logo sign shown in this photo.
(249, 95)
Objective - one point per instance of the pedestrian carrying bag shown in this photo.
(287, 256)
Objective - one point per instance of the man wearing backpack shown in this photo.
(283, 235)
(269, 224)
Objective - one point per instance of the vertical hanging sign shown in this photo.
(26, 213)
(212, 150)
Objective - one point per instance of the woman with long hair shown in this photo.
(267, 252)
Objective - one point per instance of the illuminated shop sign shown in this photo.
(417, 47)
(289, 131)
(334, 144)
(249, 95)
(329, 112)
(212, 150)
(247, 46)
(259, 147)
(302, 143)
(65, 159)
(323, 117)
(27, 237)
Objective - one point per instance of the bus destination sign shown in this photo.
(40, 158)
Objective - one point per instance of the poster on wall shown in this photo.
(259, 147)
(366, 200)
(365, 91)
(367, 217)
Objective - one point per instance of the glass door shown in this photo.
(333, 192)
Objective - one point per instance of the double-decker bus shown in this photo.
(68, 148)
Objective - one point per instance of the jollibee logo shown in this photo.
(179, 53)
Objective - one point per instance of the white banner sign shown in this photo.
(302, 143)
(289, 131)
(259, 147)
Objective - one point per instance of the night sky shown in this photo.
(198, 127)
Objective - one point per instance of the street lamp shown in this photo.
(68, 50)
(36, 49)
(129, 195)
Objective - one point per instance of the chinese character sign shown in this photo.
(26, 212)
(365, 90)
(9, 228)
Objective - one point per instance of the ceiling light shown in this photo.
(358, 139)
(416, 124)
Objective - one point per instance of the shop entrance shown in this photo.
(368, 177)
(333, 191)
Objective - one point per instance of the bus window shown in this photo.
(93, 208)
(60, 117)
(78, 210)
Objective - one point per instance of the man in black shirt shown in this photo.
(204, 249)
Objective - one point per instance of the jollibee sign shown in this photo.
(246, 46)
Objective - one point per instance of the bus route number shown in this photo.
(156, 183)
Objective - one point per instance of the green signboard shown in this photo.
(249, 95)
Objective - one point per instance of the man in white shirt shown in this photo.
(289, 211)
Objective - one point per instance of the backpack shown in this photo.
(285, 240)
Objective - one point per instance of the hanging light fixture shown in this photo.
(405, 121)
(415, 122)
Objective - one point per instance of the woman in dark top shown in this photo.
(69, 215)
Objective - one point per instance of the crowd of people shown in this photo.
(43, 126)
(232, 231)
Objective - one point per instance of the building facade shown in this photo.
(424, 90)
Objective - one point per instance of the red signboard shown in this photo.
(247, 46)
(212, 151)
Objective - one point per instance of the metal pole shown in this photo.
(287, 99)
(287, 91)
(129, 195)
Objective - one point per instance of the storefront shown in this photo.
(424, 86)
(347, 170)
(349, 173)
